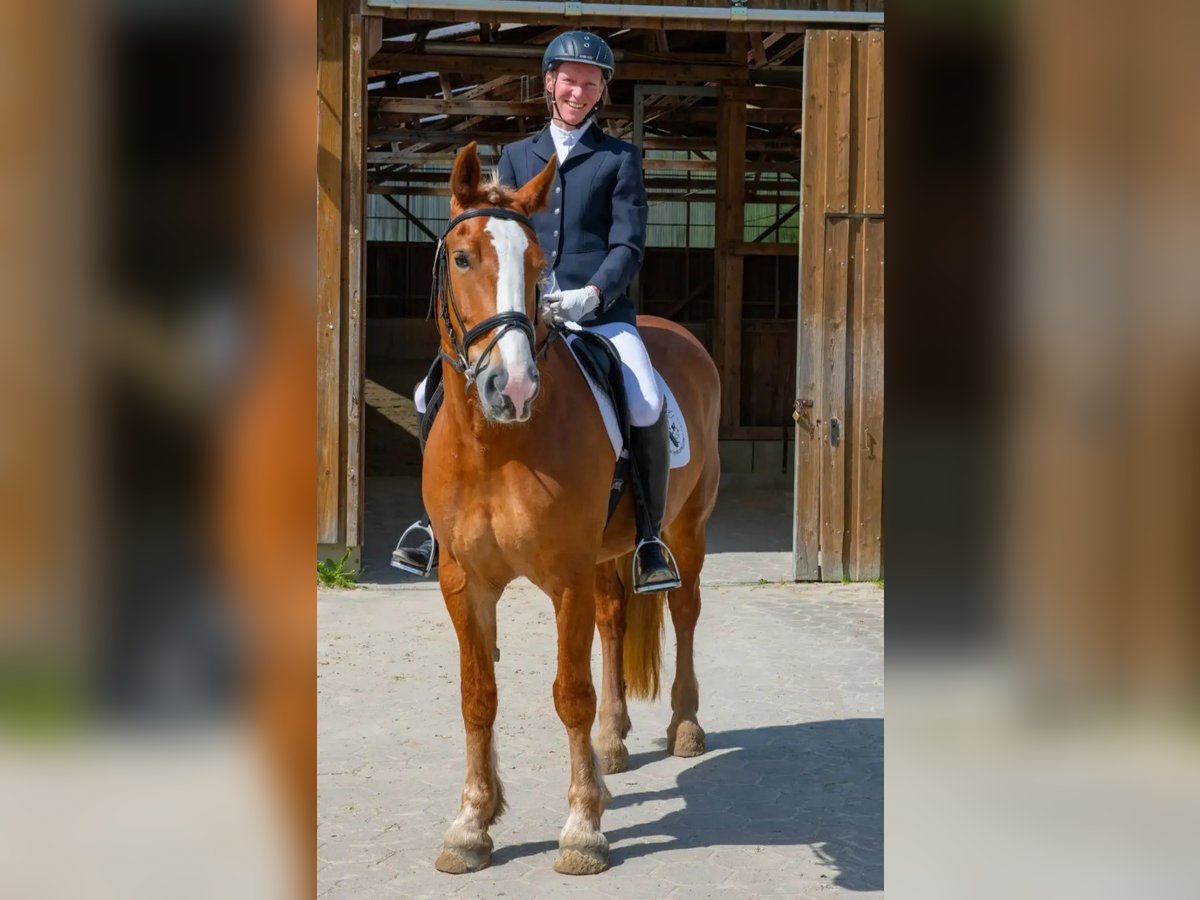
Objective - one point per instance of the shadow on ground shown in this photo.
(818, 784)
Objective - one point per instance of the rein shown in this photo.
(442, 296)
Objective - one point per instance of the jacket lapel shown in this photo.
(543, 145)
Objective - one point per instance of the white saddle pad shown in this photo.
(676, 426)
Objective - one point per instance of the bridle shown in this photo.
(442, 296)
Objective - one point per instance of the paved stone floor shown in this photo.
(786, 802)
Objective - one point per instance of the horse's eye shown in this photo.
(461, 259)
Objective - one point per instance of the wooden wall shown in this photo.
(839, 431)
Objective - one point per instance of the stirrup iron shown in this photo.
(405, 566)
(670, 558)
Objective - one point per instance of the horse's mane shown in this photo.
(493, 193)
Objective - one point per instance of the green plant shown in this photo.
(335, 574)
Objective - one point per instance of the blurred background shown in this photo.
(157, 621)
(1043, 378)
(157, 679)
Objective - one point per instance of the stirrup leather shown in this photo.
(404, 566)
(661, 586)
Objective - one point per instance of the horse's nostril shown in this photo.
(495, 381)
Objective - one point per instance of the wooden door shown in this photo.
(839, 380)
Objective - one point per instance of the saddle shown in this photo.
(600, 360)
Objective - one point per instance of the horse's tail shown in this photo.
(643, 639)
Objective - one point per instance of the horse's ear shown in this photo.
(464, 179)
(536, 192)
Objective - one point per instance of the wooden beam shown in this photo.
(681, 69)
(778, 223)
(832, 407)
(406, 157)
(330, 47)
(403, 210)
(424, 106)
(751, 248)
(810, 331)
(770, 97)
(355, 286)
(462, 137)
(758, 53)
(865, 562)
(374, 35)
(654, 195)
(730, 219)
(597, 20)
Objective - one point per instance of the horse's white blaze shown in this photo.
(511, 242)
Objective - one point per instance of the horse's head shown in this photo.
(486, 275)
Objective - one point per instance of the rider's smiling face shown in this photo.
(576, 88)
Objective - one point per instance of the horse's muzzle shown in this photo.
(507, 398)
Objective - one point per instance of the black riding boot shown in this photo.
(653, 569)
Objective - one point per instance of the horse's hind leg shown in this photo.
(583, 849)
(685, 737)
(472, 607)
(614, 715)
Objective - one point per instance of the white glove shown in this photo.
(570, 306)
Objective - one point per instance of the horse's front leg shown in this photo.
(614, 714)
(583, 849)
(685, 737)
(472, 606)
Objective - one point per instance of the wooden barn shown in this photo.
(761, 127)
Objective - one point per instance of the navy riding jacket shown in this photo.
(593, 231)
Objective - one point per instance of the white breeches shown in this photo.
(641, 387)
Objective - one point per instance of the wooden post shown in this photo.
(832, 407)
(355, 288)
(727, 265)
(330, 45)
(865, 560)
(809, 341)
(373, 31)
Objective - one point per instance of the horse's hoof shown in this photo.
(614, 756)
(685, 739)
(571, 861)
(460, 860)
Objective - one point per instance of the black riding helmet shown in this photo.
(579, 46)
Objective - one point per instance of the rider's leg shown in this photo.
(653, 570)
(416, 552)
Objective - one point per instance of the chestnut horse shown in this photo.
(516, 482)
